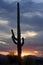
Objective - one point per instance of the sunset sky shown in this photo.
(31, 12)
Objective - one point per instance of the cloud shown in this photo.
(4, 35)
(38, 1)
(32, 14)
(29, 34)
(4, 43)
(3, 22)
(10, 1)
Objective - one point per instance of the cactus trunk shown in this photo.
(18, 34)
(18, 29)
(17, 40)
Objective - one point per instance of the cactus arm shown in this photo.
(22, 41)
(14, 40)
(13, 34)
(13, 37)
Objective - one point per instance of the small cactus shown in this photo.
(17, 40)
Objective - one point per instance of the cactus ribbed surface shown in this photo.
(17, 40)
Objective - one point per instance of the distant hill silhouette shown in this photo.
(26, 60)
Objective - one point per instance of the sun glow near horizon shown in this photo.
(24, 53)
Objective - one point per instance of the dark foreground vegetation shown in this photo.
(26, 60)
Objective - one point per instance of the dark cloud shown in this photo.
(8, 12)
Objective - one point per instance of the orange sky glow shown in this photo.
(24, 53)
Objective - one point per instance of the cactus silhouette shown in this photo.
(17, 40)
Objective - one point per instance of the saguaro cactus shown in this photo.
(17, 40)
